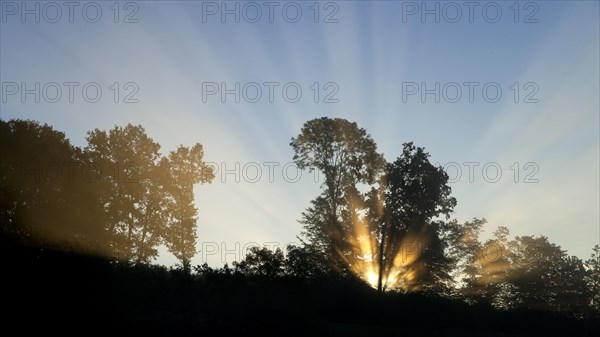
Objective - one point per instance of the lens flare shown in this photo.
(372, 278)
(401, 269)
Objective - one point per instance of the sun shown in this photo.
(372, 278)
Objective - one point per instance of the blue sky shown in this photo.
(370, 55)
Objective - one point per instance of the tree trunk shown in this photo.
(381, 250)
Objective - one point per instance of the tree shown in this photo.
(186, 169)
(528, 272)
(305, 262)
(149, 198)
(534, 271)
(118, 197)
(129, 173)
(572, 294)
(415, 192)
(489, 270)
(45, 199)
(262, 262)
(464, 249)
(593, 278)
(372, 233)
(347, 156)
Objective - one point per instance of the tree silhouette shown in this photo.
(67, 215)
(263, 262)
(542, 273)
(46, 199)
(366, 233)
(487, 266)
(347, 156)
(133, 198)
(186, 168)
(118, 197)
(415, 192)
(464, 248)
(572, 294)
(527, 272)
(149, 198)
(593, 278)
(304, 262)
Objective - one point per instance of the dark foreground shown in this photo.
(46, 291)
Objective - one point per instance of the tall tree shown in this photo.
(186, 169)
(415, 193)
(347, 156)
(129, 174)
(489, 270)
(464, 249)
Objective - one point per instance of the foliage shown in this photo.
(116, 197)
(68, 212)
(262, 262)
(347, 156)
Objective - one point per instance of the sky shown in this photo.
(505, 97)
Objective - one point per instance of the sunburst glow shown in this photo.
(400, 263)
